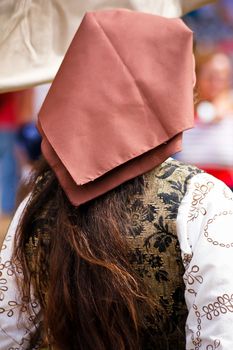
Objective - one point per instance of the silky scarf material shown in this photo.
(119, 102)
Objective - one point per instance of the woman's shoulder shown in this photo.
(172, 170)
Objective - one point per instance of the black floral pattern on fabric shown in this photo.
(140, 214)
(156, 252)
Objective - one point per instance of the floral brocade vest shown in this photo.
(155, 251)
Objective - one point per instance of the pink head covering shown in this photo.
(119, 102)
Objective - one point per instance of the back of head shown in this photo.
(77, 260)
(123, 94)
(106, 121)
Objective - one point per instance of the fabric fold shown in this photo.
(118, 105)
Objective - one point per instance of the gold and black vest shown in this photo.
(155, 251)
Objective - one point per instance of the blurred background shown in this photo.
(209, 145)
(19, 145)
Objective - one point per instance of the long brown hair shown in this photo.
(91, 298)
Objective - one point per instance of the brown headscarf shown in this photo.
(119, 102)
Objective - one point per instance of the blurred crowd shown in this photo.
(19, 142)
(209, 145)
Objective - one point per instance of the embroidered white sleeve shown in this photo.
(205, 231)
(14, 330)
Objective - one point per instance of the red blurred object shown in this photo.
(7, 111)
(225, 175)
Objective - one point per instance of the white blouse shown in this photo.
(205, 232)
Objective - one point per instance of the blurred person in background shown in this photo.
(8, 167)
(28, 150)
(28, 143)
(15, 109)
(210, 144)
